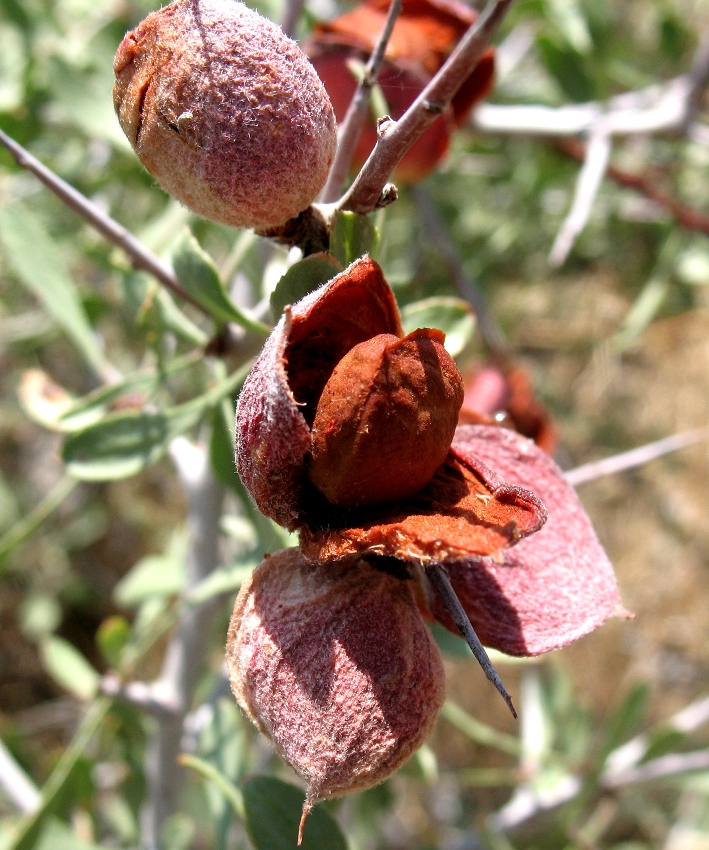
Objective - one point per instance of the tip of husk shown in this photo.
(307, 806)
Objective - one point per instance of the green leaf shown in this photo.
(112, 637)
(568, 17)
(478, 731)
(197, 273)
(92, 408)
(37, 261)
(568, 69)
(627, 717)
(29, 828)
(68, 667)
(352, 236)
(154, 575)
(301, 279)
(211, 773)
(221, 444)
(124, 444)
(453, 316)
(222, 581)
(273, 810)
(58, 836)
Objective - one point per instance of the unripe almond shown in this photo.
(336, 665)
(386, 419)
(225, 112)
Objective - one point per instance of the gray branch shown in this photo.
(187, 647)
(351, 127)
(396, 137)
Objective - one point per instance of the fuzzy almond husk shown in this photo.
(225, 112)
(336, 666)
(385, 419)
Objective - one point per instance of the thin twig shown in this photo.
(351, 127)
(634, 457)
(292, 11)
(662, 767)
(435, 230)
(589, 181)
(183, 660)
(624, 761)
(646, 185)
(138, 254)
(441, 584)
(396, 137)
(143, 695)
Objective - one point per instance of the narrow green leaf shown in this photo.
(568, 17)
(273, 810)
(68, 667)
(627, 717)
(155, 575)
(92, 408)
(124, 444)
(567, 67)
(352, 236)
(209, 772)
(29, 828)
(26, 526)
(39, 264)
(198, 274)
(453, 316)
(303, 278)
(478, 731)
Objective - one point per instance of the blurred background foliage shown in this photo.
(92, 572)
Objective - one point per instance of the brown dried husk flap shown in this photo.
(466, 510)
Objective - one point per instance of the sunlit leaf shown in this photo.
(301, 279)
(453, 316)
(198, 274)
(39, 264)
(68, 667)
(124, 444)
(351, 237)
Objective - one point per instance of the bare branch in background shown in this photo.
(187, 647)
(589, 182)
(351, 127)
(396, 137)
(634, 457)
(667, 108)
(138, 254)
(622, 767)
(292, 10)
(646, 185)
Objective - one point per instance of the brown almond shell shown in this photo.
(278, 400)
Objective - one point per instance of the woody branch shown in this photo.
(368, 191)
